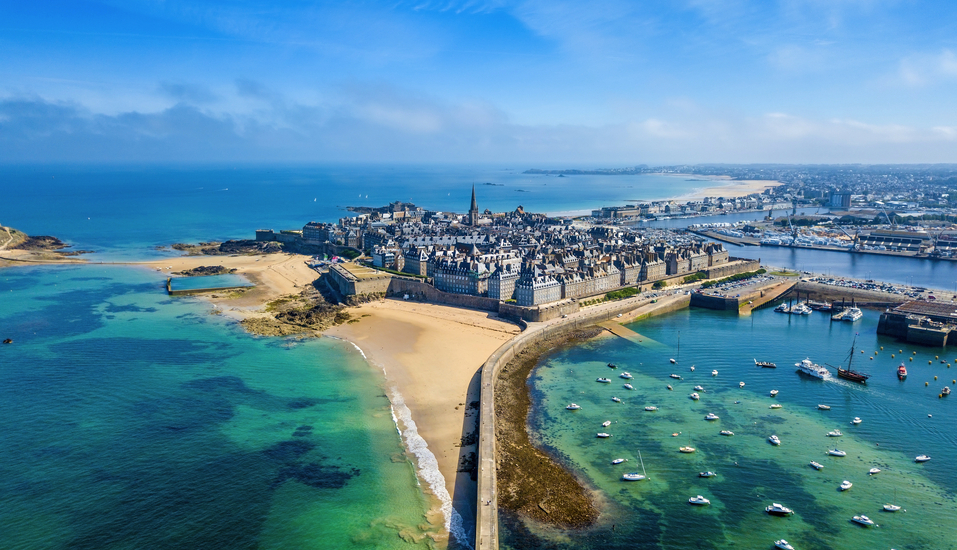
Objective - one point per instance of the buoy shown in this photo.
(882, 348)
(926, 383)
(892, 356)
(875, 353)
(862, 351)
(911, 358)
(935, 378)
(871, 358)
(936, 357)
(900, 351)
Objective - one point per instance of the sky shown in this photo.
(549, 83)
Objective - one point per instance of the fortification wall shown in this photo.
(417, 290)
(735, 266)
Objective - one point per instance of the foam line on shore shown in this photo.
(425, 460)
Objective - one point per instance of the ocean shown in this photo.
(900, 420)
(132, 420)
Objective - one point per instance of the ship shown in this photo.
(852, 375)
(902, 372)
(812, 369)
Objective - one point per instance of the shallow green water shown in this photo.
(131, 420)
(751, 472)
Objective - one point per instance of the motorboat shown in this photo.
(727, 432)
(707, 474)
(612, 366)
(698, 388)
(835, 433)
(800, 308)
(602, 435)
(783, 545)
(812, 369)
(902, 372)
(775, 440)
(853, 314)
(764, 364)
(688, 449)
(921, 458)
(863, 520)
(945, 392)
(606, 423)
(692, 368)
(628, 387)
(816, 465)
(633, 476)
(675, 376)
(857, 420)
(672, 361)
(573, 406)
(616, 399)
(836, 452)
(699, 501)
(824, 407)
(740, 384)
(774, 393)
(778, 510)
(626, 376)
(845, 485)
(603, 380)
(891, 508)
(776, 406)
(783, 308)
(651, 408)
(874, 471)
(714, 373)
(711, 416)
(695, 396)
(669, 387)
(619, 460)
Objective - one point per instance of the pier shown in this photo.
(745, 301)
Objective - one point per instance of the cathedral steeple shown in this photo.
(473, 210)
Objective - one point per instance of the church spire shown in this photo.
(473, 210)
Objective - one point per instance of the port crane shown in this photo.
(854, 238)
(888, 218)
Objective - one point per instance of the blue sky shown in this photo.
(544, 82)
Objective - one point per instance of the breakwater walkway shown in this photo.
(486, 516)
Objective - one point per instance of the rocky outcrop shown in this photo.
(204, 270)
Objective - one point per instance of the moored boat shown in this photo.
(740, 384)
(921, 458)
(764, 364)
(626, 376)
(619, 460)
(628, 387)
(835, 433)
(783, 545)
(633, 476)
(901, 372)
(711, 416)
(603, 380)
(688, 449)
(651, 408)
(602, 435)
(714, 372)
(857, 420)
(774, 440)
(606, 423)
(778, 510)
(874, 471)
(573, 406)
(816, 465)
(612, 366)
(669, 387)
(853, 314)
(699, 388)
(699, 501)
(891, 508)
(616, 399)
(863, 520)
(695, 396)
(727, 432)
(845, 485)
(675, 376)
(774, 393)
(824, 407)
(776, 406)
(707, 474)
(672, 361)
(836, 452)
(945, 392)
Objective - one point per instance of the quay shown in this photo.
(746, 299)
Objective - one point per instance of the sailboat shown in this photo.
(678, 349)
(852, 375)
(635, 476)
(892, 507)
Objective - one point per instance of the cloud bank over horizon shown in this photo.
(794, 81)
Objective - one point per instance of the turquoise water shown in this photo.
(751, 473)
(131, 420)
(209, 281)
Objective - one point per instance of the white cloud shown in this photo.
(927, 69)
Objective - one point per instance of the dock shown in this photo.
(622, 331)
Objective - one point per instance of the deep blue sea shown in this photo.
(900, 420)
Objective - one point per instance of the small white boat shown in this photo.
(782, 545)
(921, 458)
(619, 460)
(891, 508)
(774, 393)
(776, 406)
(692, 368)
(603, 380)
(626, 376)
(836, 452)
(573, 406)
(651, 408)
(629, 387)
(845, 485)
(695, 396)
(774, 440)
(698, 388)
(688, 449)
(675, 376)
(834, 433)
(863, 520)
(606, 423)
(633, 476)
(669, 387)
(707, 474)
(602, 435)
(711, 416)
(816, 465)
(778, 510)
(672, 361)
(857, 420)
(616, 399)
(824, 407)
(874, 471)
(714, 373)
(699, 500)
(740, 384)
(727, 432)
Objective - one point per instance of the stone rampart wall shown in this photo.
(735, 266)
(399, 287)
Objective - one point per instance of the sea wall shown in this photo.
(486, 530)
(417, 290)
(733, 267)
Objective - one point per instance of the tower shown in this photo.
(473, 210)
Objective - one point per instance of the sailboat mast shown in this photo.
(642, 464)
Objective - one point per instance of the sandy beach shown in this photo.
(726, 187)
(431, 355)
